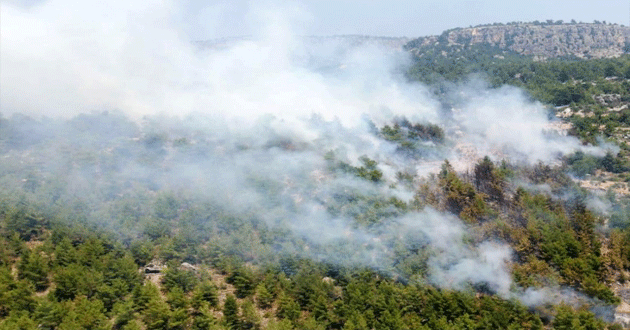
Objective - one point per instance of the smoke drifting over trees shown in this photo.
(104, 104)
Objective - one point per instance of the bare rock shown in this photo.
(189, 267)
(154, 267)
(582, 40)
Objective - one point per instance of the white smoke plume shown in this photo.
(505, 123)
(260, 113)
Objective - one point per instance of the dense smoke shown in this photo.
(250, 124)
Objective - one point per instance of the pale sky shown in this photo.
(209, 19)
(411, 18)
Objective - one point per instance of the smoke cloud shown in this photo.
(247, 123)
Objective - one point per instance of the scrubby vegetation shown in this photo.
(77, 261)
(557, 81)
(592, 96)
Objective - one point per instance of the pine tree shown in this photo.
(133, 325)
(263, 297)
(178, 319)
(34, 268)
(243, 281)
(203, 320)
(177, 299)
(249, 315)
(288, 308)
(125, 314)
(566, 319)
(320, 310)
(157, 314)
(90, 313)
(205, 293)
(230, 312)
(49, 314)
(142, 295)
(65, 253)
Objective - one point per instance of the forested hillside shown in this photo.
(76, 261)
(479, 215)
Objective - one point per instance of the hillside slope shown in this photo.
(581, 40)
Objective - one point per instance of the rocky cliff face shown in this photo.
(582, 40)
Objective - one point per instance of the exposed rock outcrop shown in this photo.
(154, 267)
(582, 40)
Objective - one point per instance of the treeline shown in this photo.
(555, 81)
(70, 278)
(562, 82)
(543, 23)
(72, 275)
(589, 88)
(582, 164)
(556, 241)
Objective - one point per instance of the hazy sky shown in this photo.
(203, 19)
(411, 18)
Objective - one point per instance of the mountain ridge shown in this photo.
(580, 40)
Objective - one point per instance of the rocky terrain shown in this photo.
(582, 40)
